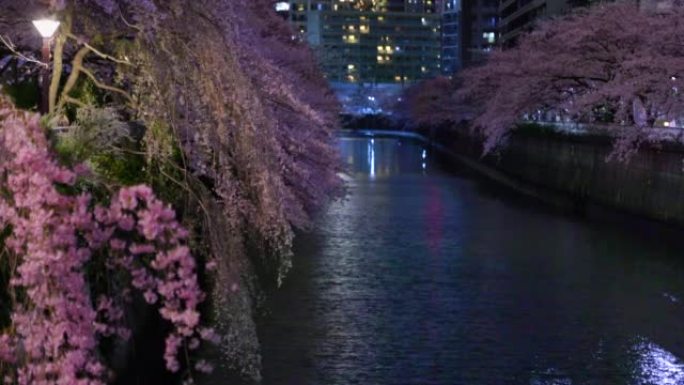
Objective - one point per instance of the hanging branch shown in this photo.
(13, 49)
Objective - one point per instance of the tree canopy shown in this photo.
(612, 64)
(210, 103)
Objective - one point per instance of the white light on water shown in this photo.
(658, 366)
(371, 157)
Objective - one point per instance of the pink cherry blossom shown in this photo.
(55, 237)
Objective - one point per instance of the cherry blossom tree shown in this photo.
(237, 136)
(613, 64)
(432, 102)
(53, 236)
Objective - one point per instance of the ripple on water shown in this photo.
(427, 277)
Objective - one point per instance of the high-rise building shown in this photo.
(451, 55)
(518, 16)
(479, 30)
(371, 41)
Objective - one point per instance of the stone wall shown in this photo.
(576, 170)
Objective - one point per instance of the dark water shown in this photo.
(427, 277)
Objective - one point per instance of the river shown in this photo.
(425, 275)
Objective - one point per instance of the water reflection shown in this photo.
(671, 297)
(371, 157)
(658, 366)
(425, 277)
(380, 158)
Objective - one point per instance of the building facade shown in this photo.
(364, 41)
(519, 16)
(451, 45)
(480, 30)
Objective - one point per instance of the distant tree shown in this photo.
(613, 63)
(432, 102)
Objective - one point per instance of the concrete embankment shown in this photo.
(559, 166)
(574, 170)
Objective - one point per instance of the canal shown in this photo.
(431, 276)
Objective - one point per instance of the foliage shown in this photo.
(612, 58)
(97, 130)
(101, 140)
(237, 128)
(432, 103)
(613, 64)
(60, 315)
(24, 95)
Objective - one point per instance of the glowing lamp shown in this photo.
(46, 27)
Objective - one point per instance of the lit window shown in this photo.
(282, 6)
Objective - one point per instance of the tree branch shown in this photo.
(68, 99)
(76, 66)
(57, 70)
(98, 52)
(13, 49)
(103, 86)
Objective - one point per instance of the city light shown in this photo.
(282, 6)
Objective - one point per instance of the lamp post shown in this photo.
(47, 29)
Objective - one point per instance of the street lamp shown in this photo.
(47, 29)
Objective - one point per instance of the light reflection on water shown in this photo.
(424, 277)
(652, 365)
(658, 366)
(371, 158)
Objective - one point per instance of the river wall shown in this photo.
(575, 170)
(571, 170)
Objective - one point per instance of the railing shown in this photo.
(673, 133)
